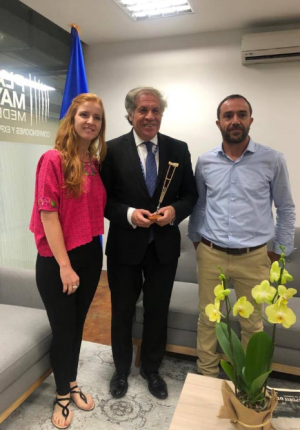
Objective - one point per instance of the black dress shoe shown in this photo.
(156, 384)
(118, 385)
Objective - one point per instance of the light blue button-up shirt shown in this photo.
(234, 207)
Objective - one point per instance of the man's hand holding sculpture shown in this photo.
(144, 218)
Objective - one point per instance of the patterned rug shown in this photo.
(137, 410)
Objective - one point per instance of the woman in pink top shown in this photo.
(67, 219)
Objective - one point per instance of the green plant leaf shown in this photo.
(241, 383)
(238, 351)
(258, 357)
(227, 369)
(257, 386)
(259, 398)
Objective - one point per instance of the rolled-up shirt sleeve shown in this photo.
(285, 208)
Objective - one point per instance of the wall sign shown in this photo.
(25, 109)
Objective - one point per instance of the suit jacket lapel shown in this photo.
(135, 159)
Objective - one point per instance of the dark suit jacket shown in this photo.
(125, 185)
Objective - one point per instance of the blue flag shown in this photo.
(76, 82)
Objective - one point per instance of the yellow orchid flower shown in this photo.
(286, 276)
(263, 292)
(243, 307)
(213, 312)
(220, 293)
(280, 315)
(285, 294)
(275, 274)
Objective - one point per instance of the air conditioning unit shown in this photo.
(271, 47)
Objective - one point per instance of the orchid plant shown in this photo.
(249, 370)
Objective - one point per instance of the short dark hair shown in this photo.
(233, 96)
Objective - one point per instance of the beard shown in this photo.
(229, 138)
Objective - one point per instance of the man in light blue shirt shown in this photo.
(232, 221)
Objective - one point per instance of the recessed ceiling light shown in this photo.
(147, 9)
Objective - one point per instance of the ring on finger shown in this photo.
(75, 287)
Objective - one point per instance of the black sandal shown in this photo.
(82, 396)
(65, 411)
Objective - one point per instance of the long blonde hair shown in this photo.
(66, 144)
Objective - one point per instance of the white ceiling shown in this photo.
(104, 21)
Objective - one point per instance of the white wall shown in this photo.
(196, 72)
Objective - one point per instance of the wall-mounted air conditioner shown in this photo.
(271, 47)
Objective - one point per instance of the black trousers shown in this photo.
(126, 283)
(67, 313)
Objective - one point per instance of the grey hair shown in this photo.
(131, 99)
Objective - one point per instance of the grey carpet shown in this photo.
(138, 410)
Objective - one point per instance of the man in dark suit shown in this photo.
(142, 255)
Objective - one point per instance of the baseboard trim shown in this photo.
(292, 370)
(277, 367)
(24, 396)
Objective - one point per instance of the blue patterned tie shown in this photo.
(151, 170)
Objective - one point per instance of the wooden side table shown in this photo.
(199, 404)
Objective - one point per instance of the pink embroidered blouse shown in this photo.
(81, 218)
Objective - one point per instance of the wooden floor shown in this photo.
(97, 325)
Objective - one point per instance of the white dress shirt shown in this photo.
(142, 151)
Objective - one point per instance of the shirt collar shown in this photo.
(139, 141)
(250, 148)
